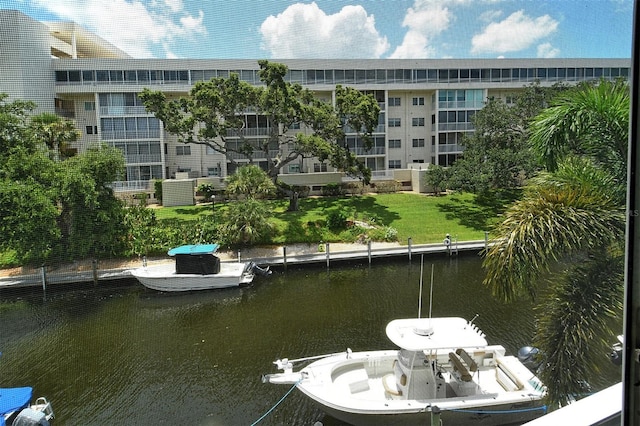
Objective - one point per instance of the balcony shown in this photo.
(257, 155)
(123, 110)
(131, 185)
(255, 131)
(131, 134)
(376, 150)
(143, 158)
(455, 126)
(449, 148)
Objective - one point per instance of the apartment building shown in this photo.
(426, 105)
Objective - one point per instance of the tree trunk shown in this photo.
(293, 202)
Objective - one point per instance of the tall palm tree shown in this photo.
(56, 132)
(568, 230)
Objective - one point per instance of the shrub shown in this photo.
(336, 220)
(332, 189)
(206, 190)
(157, 187)
(387, 187)
(354, 188)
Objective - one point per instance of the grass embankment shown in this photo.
(426, 219)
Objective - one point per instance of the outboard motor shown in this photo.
(31, 417)
(616, 352)
(263, 272)
(530, 357)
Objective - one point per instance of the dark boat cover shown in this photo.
(201, 264)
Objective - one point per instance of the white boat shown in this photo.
(443, 370)
(196, 267)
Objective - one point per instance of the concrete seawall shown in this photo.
(275, 257)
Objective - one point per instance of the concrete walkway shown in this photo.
(298, 254)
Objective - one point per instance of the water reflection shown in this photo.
(128, 355)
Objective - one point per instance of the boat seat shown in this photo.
(390, 387)
(508, 373)
(460, 367)
(473, 366)
(360, 381)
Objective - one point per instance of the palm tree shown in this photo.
(568, 229)
(56, 132)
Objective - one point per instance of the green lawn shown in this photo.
(424, 218)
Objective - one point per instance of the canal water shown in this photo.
(125, 355)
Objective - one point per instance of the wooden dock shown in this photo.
(46, 277)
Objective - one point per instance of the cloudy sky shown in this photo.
(281, 29)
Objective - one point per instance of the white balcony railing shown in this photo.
(130, 134)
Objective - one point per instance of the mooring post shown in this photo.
(326, 249)
(284, 257)
(369, 251)
(94, 268)
(409, 247)
(43, 277)
(435, 416)
(238, 256)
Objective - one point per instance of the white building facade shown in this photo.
(426, 105)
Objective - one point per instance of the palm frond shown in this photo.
(575, 319)
(544, 226)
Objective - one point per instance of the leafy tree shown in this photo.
(571, 220)
(496, 155)
(14, 126)
(27, 175)
(28, 223)
(250, 181)
(436, 177)
(90, 214)
(53, 206)
(212, 115)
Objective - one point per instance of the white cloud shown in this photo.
(305, 31)
(546, 50)
(517, 32)
(490, 15)
(424, 20)
(131, 25)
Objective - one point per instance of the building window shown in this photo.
(394, 122)
(395, 143)
(295, 126)
(213, 171)
(417, 122)
(394, 101)
(89, 106)
(418, 101)
(294, 168)
(394, 164)
(92, 130)
(417, 143)
(418, 161)
(319, 167)
(183, 150)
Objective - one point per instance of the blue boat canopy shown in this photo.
(13, 399)
(194, 249)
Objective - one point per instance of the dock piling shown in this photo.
(284, 257)
(326, 249)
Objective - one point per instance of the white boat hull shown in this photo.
(164, 277)
(351, 388)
